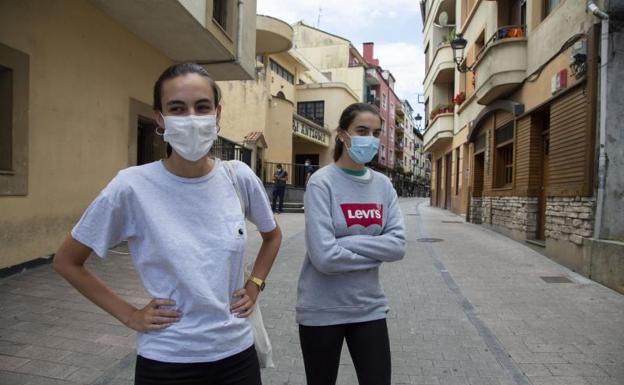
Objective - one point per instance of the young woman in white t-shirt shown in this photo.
(184, 223)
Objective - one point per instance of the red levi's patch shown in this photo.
(364, 214)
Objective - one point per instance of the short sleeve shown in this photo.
(258, 208)
(106, 222)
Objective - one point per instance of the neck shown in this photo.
(346, 162)
(179, 166)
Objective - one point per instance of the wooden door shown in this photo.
(447, 178)
(541, 219)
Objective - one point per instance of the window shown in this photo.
(6, 117)
(219, 12)
(426, 59)
(282, 72)
(504, 156)
(384, 101)
(315, 111)
(549, 6)
(14, 79)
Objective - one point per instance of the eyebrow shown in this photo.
(173, 102)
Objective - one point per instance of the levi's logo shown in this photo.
(364, 214)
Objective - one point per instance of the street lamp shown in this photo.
(459, 44)
(418, 119)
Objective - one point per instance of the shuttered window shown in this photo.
(504, 156)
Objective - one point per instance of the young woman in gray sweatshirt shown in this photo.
(353, 225)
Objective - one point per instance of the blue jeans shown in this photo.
(278, 193)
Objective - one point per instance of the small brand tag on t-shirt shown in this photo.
(364, 214)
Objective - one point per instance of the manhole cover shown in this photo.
(452, 222)
(429, 240)
(556, 279)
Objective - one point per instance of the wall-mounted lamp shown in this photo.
(459, 44)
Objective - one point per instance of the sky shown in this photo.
(395, 26)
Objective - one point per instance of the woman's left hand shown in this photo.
(247, 302)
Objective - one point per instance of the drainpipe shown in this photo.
(239, 34)
(602, 157)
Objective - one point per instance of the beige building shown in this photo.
(291, 109)
(511, 119)
(76, 79)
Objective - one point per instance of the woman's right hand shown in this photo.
(152, 317)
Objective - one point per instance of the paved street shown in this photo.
(472, 308)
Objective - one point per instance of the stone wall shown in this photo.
(517, 214)
(476, 210)
(569, 219)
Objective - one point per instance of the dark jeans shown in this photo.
(368, 344)
(278, 193)
(240, 369)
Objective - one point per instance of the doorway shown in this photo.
(150, 147)
(541, 219)
(299, 167)
(438, 200)
(447, 180)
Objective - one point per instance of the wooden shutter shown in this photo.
(570, 146)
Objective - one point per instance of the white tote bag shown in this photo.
(262, 343)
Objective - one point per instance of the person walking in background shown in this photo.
(353, 225)
(184, 222)
(280, 177)
(309, 170)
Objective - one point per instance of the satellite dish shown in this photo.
(443, 19)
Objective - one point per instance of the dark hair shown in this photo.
(182, 69)
(346, 118)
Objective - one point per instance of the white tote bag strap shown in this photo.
(232, 174)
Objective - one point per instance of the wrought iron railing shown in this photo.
(506, 32)
(225, 149)
(297, 173)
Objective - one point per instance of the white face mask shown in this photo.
(191, 136)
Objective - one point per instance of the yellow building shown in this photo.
(511, 119)
(79, 75)
(289, 113)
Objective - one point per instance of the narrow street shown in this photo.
(471, 307)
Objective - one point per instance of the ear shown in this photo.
(218, 113)
(159, 119)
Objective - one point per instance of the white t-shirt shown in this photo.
(187, 239)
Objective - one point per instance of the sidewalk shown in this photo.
(470, 309)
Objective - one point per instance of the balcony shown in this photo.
(372, 77)
(442, 68)
(399, 128)
(186, 31)
(501, 65)
(439, 132)
(310, 131)
(272, 35)
(398, 146)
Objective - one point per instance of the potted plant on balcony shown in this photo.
(459, 99)
(441, 109)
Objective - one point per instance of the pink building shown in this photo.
(380, 91)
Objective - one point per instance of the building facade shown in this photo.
(291, 107)
(78, 94)
(511, 124)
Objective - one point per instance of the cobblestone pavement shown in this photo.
(470, 309)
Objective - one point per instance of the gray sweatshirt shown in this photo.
(352, 226)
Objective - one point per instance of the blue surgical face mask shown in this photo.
(363, 148)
